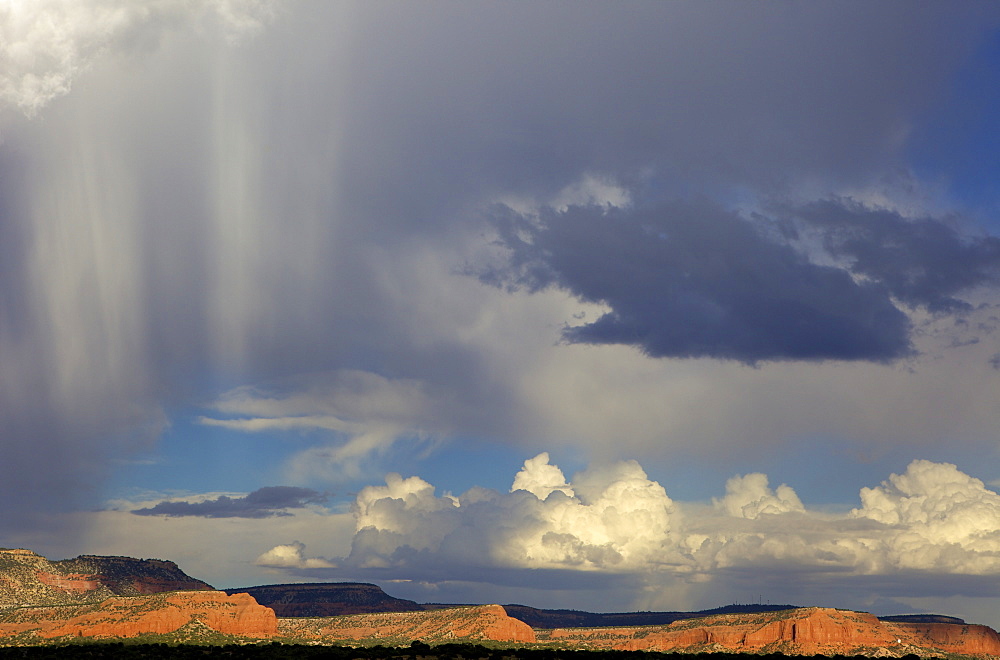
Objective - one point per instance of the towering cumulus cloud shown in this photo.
(749, 496)
(608, 519)
(940, 518)
(932, 520)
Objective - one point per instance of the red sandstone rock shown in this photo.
(71, 582)
(128, 616)
(806, 631)
(966, 639)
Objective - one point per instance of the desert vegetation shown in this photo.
(416, 651)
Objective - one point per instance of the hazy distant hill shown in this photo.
(27, 578)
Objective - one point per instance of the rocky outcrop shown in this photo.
(127, 576)
(326, 599)
(27, 578)
(805, 631)
(476, 623)
(130, 616)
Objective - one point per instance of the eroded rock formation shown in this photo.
(130, 616)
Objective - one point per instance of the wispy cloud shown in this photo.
(261, 503)
(365, 413)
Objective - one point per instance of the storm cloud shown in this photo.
(696, 280)
(922, 262)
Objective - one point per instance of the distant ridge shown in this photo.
(319, 599)
(922, 618)
(540, 618)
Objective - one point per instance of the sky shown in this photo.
(595, 305)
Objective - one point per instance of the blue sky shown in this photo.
(606, 305)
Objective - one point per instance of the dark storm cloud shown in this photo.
(261, 503)
(696, 280)
(923, 262)
(189, 214)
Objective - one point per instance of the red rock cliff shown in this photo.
(966, 639)
(806, 631)
(129, 616)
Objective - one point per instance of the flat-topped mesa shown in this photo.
(326, 599)
(476, 623)
(805, 631)
(130, 616)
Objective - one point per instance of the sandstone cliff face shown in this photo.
(966, 639)
(27, 578)
(479, 623)
(805, 631)
(129, 616)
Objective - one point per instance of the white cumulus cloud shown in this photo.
(291, 555)
(928, 530)
(619, 520)
(941, 519)
(748, 496)
(540, 478)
